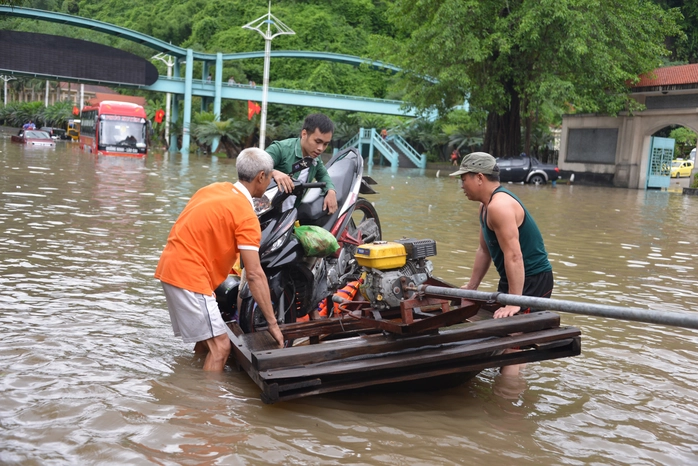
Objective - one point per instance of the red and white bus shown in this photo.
(114, 128)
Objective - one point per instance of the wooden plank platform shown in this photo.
(385, 358)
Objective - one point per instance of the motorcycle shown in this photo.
(298, 283)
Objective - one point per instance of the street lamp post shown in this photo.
(6, 78)
(269, 27)
(169, 61)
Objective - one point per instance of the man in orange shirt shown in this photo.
(216, 225)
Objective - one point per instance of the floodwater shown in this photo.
(90, 372)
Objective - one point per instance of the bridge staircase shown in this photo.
(394, 149)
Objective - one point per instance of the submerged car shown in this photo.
(34, 137)
(56, 133)
(524, 169)
(681, 168)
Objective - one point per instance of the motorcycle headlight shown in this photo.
(279, 242)
(276, 244)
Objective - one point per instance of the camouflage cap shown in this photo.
(477, 162)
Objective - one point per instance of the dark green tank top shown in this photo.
(534, 256)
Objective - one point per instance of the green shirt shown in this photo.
(287, 152)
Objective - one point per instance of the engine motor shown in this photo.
(389, 264)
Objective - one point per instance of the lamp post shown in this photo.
(269, 27)
(6, 78)
(169, 61)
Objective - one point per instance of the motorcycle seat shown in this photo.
(343, 172)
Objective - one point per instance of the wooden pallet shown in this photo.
(363, 352)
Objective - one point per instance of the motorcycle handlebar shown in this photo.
(311, 185)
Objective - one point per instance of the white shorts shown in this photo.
(195, 317)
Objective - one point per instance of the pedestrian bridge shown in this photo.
(216, 89)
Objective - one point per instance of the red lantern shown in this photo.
(159, 115)
(76, 111)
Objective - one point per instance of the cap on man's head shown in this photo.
(477, 162)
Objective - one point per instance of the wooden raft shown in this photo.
(411, 349)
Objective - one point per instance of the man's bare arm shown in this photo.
(259, 287)
(503, 219)
(481, 265)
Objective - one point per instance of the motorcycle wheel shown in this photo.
(366, 219)
(252, 320)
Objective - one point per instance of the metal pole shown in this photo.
(265, 93)
(671, 318)
(82, 96)
(5, 79)
(46, 97)
(269, 27)
(169, 63)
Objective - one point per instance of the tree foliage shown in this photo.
(684, 141)
(507, 57)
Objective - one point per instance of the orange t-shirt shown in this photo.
(205, 241)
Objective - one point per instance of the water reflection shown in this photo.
(90, 371)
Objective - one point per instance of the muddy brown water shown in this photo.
(90, 372)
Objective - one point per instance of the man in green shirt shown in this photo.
(316, 135)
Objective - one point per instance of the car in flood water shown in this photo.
(523, 169)
(56, 133)
(681, 168)
(34, 138)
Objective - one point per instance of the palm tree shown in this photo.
(227, 131)
(58, 114)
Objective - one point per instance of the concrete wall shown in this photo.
(627, 168)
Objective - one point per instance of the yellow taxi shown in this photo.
(681, 168)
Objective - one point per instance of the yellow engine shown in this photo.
(389, 265)
(381, 255)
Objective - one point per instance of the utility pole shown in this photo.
(269, 27)
(169, 61)
(6, 78)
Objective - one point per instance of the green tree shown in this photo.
(507, 57)
(685, 141)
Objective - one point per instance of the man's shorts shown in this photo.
(195, 317)
(537, 286)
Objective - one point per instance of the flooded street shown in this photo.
(90, 372)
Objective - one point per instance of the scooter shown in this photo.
(298, 283)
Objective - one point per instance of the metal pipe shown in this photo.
(671, 318)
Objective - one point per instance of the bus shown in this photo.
(114, 128)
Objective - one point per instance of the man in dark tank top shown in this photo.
(509, 238)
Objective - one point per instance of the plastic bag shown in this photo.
(316, 241)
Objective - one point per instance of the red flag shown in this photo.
(76, 111)
(159, 115)
(253, 108)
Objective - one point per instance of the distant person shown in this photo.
(454, 157)
(509, 237)
(253, 84)
(384, 134)
(316, 135)
(30, 125)
(208, 79)
(217, 224)
(130, 140)
(231, 81)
